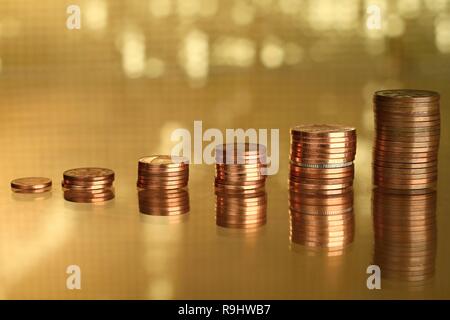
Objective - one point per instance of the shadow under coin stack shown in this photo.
(407, 126)
(162, 182)
(405, 235)
(321, 185)
(31, 185)
(241, 200)
(88, 185)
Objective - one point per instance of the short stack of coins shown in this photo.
(162, 182)
(322, 221)
(31, 185)
(88, 185)
(406, 147)
(405, 235)
(322, 159)
(240, 185)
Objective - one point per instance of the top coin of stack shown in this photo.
(31, 185)
(163, 172)
(322, 159)
(240, 168)
(88, 185)
(407, 126)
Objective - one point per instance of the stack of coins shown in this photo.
(241, 211)
(31, 185)
(406, 148)
(162, 182)
(321, 221)
(163, 202)
(322, 159)
(240, 168)
(405, 235)
(88, 185)
(240, 185)
(163, 172)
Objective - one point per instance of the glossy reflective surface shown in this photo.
(113, 91)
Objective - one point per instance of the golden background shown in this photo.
(113, 91)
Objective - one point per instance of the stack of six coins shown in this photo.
(240, 185)
(88, 185)
(162, 182)
(406, 147)
(321, 184)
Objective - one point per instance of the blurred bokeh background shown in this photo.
(113, 91)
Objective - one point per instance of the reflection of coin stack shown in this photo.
(405, 235)
(322, 159)
(88, 185)
(162, 182)
(240, 185)
(407, 139)
(321, 221)
(321, 184)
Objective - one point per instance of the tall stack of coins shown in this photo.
(324, 221)
(88, 185)
(322, 159)
(407, 126)
(162, 182)
(31, 185)
(240, 185)
(405, 235)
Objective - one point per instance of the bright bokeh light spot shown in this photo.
(160, 8)
(133, 53)
(293, 53)
(154, 68)
(188, 8)
(436, 5)
(395, 26)
(231, 51)
(272, 54)
(209, 7)
(409, 8)
(442, 33)
(95, 14)
(194, 56)
(242, 13)
(291, 7)
(333, 15)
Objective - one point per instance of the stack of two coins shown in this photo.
(31, 185)
(240, 185)
(321, 184)
(405, 235)
(162, 182)
(407, 139)
(88, 185)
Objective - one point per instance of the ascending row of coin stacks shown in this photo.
(88, 185)
(407, 124)
(405, 235)
(321, 185)
(240, 185)
(162, 182)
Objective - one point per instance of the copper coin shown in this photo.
(406, 95)
(31, 183)
(32, 191)
(88, 174)
(323, 130)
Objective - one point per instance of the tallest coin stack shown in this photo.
(407, 139)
